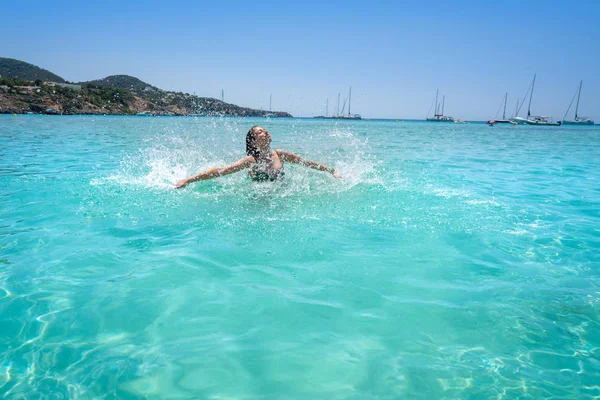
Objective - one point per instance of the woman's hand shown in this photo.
(181, 184)
(336, 175)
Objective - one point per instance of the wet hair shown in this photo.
(251, 148)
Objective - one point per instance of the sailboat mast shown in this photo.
(504, 113)
(578, 96)
(349, 100)
(443, 101)
(270, 98)
(530, 97)
(337, 107)
(343, 107)
(517, 108)
(436, 101)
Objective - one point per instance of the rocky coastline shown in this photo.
(22, 91)
(49, 98)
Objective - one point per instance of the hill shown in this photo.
(19, 96)
(10, 68)
(158, 101)
(126, 82)
(28, 89)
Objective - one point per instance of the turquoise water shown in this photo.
(451, 261)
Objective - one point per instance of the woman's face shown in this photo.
(262, 137)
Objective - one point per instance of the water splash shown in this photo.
(172, 155)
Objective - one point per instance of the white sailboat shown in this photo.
(439, 117)
(539, 120)
(349, 115)
(270, 113)
(578, 120)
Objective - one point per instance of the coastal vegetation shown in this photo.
(11, 68)
(25, 88)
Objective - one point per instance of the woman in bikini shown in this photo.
(263, 164)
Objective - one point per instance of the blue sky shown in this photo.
(395, 54)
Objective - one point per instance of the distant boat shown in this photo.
(541, 120)
(270, 113)
(350, 115)
(578, 120)
(538, 120)
(503, 120)
(439, 117)
(341, 115)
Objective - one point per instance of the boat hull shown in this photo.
(519, 121)
(542, 123)
(579, 123)
(536, 122)
(502, 121)
(439, 120)
(340, 117)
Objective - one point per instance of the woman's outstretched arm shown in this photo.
(216, 172)
(296, 159)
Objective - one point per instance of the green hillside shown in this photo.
(22, 92)
(10, 68)
(122, 82)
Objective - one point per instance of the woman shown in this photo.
(263, 163)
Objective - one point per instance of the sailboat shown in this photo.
(439, 117)
(535, 119)
(270, 113)
(578, 120)
(503, 120)
(349, 115)
(336, 112)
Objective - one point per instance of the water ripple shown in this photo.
(448, 263)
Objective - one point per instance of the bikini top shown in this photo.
(260, 172)
(264, 175)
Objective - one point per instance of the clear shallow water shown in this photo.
(452, 261)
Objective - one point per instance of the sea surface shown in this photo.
(451, 261)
